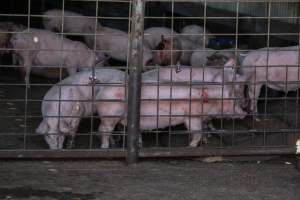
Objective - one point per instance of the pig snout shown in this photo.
(53, 138)
(55, 141)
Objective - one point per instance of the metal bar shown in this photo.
(76, 154)
(135, 64)
(147, 153)
(223, 1)
(197, 152)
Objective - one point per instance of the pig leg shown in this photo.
(106, 128)
(26, 68)
(70, 141)
(195, 125)
(254, 91)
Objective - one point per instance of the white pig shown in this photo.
(45, 48)
(279, 68)
(211, 57)
(73, 22)
(190, 107)
(161, 40)
(190, 39)
(195, 33)
(71, 99)
(153, 35)
(114, 43)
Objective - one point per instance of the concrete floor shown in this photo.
(168, 179)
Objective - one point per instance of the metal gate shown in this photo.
(230, 99)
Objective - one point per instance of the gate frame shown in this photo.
(132, 153)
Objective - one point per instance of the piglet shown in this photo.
(45, 48)
(71, 99)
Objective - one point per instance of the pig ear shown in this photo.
(65, 125)
(230, 63)
(43, 127)
(100, 57)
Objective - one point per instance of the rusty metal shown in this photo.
(146, 153)
(75, 154)
(134, 86)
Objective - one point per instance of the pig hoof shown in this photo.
(140, 145)
(104, 146)
(257, 119)
(70, 145)
(204, 140)
(193, 144)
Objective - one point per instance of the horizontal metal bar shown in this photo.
(144, 153)
(196, 152)
(225, 1)
(43, 154)
(220, 17)
(177, 132)
(148, 17)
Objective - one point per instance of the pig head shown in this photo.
(61, 117)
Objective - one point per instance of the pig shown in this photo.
(71, 99)
(188, 41)
(278, 67)
(211, 57)
(200, 57)
(6, 30)
(194, 33)
(45, 48)
(192, 38)
(160, 39)
(228, 77)
(189, 101)
(152, 36)
(114, 43)
(72, 22)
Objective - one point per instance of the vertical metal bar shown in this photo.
(27, 84)
(127, 69)
(94, 48)
(267, 73)
(134, 85)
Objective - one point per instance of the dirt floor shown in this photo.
(168, 179)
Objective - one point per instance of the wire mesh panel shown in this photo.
(151, 78)
(244, 66)
(56, 58)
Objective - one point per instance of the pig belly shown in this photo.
(51, 58)
(150, 123)
(160, 115)
(285, 76)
